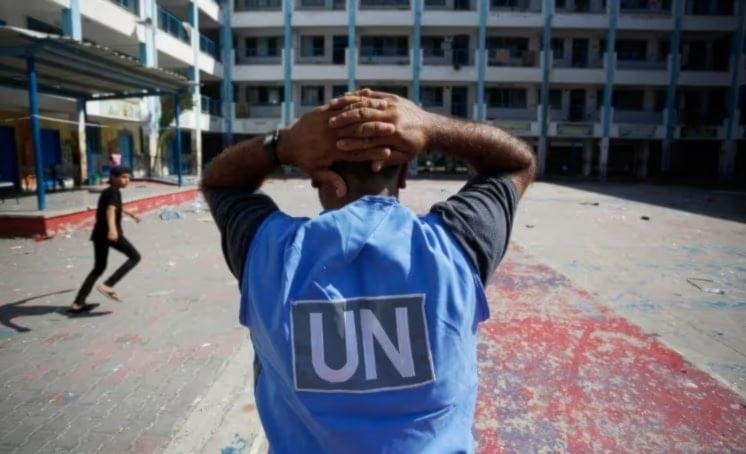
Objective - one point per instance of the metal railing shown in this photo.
(208, 46)
(211, 106)
(132, 6)
(258, 5)
(171, 24)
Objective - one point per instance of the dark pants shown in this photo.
(101, 256)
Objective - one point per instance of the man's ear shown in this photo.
(402, 180)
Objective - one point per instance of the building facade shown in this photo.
(630, 89)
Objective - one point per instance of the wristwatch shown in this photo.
(270, 146)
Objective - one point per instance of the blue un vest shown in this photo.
(364, 320)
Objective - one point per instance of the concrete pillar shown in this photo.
(587, 157)
(83, 174)
(541, 156)
(603, 158)
(196, 93)
(666, 156)
(644, 155)
(727, 162)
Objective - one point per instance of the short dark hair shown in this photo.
(118, 171)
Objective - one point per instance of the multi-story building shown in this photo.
(608, 97)
(181, 36)
(601, 88)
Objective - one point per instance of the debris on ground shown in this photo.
(645, 218)
(595, 204)
(530, 226)
(694, 281)
(170, 215)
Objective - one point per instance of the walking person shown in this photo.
(364, 318)
(107, 233)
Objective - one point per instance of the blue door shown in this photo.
(8, 155)
(51, 148)
(51, 155)
(125, 148)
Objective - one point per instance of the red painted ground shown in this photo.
(49, 226)
(560, 372)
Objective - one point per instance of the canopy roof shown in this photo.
(81, 70)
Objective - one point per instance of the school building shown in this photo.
(624, 89)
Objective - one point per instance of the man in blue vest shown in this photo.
(364, 318)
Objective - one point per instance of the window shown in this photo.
(264, 96)
(263, 46)
(435, 3)
(555, 99)
(312, 46)
(513, 98)
(312, 95)
(629, 49)
(664, 48)
(386, 46)
(628, 99)
(432, 46)
(432, 96)
(312, 3)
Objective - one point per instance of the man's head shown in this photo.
(361, 181)
(120, 176)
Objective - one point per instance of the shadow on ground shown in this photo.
(719, 202)
(17, 309)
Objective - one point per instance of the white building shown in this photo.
(607, 99)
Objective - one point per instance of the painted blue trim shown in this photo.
(351, 44)
(416, 63)
(142, 52)
(177, 113)
(226, 45)
(192, 14)
(33, 102)
(481, 58)
(672, 117)
(71, 22)
(735, 75)
(288, 62)
(610, 63)
(546, 66)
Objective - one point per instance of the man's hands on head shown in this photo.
(312, 145)
(408, 127)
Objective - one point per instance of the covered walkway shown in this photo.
(49, 64)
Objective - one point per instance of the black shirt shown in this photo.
(480, 217)
(110, 196)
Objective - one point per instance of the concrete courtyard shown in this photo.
(618, 325)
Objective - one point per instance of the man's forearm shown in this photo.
(484, 147)
(244, 165)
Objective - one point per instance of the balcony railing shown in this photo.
(317, 5)
(171, 24)
(247, 110)
(132, 6)
(511, 57)
(209, 47)
(645, 6)
(527, 113)
(211, 106)
(384, 4)
(652, 63)
(581, 6)
(383, 56)
(515, 5)
(450, 5)
(443, 57)
(640, 116)
(258, 5)
(253, 57)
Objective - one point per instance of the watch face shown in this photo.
(269, 141)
